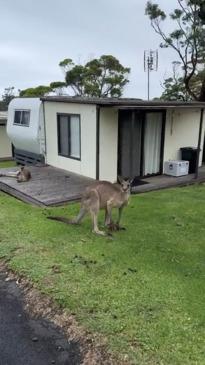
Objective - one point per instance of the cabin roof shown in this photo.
(125, 103)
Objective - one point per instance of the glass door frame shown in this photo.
(142, 114)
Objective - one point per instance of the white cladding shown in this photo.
(108, 144)
(28, 138)
(182, 130)
(86, 166)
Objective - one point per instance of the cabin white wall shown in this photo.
(87, 165)
(5, 144)
(182, 130)
(108, 144)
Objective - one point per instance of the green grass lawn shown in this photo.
(144, 290)
(4, 164)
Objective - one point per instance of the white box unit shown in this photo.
(176, 168)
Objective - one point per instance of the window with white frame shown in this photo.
(68, 126)
(22, 117)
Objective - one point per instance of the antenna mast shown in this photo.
(150, 64)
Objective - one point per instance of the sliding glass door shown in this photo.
(140, 143)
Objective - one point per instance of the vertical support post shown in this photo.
(199, 143)
(131, 143)
(97, 142)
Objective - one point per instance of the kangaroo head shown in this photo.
(125, 184)
(19, 173)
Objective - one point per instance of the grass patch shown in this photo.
(144, 290)
(9, 163)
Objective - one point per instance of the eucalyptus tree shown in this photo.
(100, 77)
(187, 39)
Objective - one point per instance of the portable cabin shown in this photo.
(103, 138)
(5, 143)
(25, 128)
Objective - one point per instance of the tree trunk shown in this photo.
(189, 91)
(202, 92)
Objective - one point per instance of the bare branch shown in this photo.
(185, 9)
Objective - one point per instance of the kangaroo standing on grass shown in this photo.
(22, 175)
(102, 195)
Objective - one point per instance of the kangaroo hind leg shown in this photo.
(119, 227)
(94, 207)
(108, 218)
(95, 229)
(84, 209)
(80, 216)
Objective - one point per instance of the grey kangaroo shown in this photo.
(102, 195)
(22, 175)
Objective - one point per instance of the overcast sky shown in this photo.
(36, 34)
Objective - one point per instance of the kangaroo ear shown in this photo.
(120, 179)
(131, 180)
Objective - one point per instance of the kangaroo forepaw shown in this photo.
(112, 227)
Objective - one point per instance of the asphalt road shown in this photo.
(26, 341)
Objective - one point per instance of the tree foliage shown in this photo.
(42, 90)
(102, 77)
(57, 87)
(8, 95)
(187, 39)
(174, 88)
(38, 91)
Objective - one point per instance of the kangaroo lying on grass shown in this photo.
(102, 195)
(21, 175)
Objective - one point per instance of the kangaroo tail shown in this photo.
(61, 219)
(8, 175)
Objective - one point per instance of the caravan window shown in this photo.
(69, 135)
(22, 117)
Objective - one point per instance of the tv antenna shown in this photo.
(150, 64)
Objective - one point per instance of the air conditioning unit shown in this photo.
(176, 168)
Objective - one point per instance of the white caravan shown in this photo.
(25, 128)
